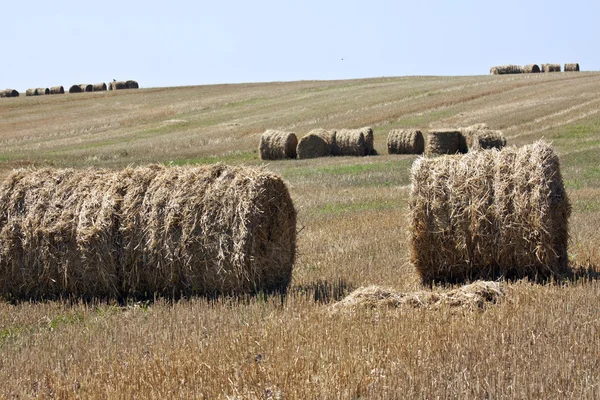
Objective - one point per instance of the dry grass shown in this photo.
(540, 341)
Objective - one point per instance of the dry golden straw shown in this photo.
(313, 145)
(481, 137)
(445, 142)
(405, 141)
(489, 214)
(350, 142)
(277, 145)
(145, 230)
(571, 67)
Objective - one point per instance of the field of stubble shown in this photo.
(540, 341)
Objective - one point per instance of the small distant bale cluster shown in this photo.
(98, 233)
(277, 145)
(37, 92)
(532, 69)
(550, 67)
(506, 69)
(120, 85)
(489, 214)
(9, 93)
(571, 67)
(405, 141)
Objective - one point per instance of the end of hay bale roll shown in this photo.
(350, 142)
(405, 141)
(86, 87)
(9, 93)
(573, 67)
(75, 89)
(30, 92)
(277, 145)
(99, 87)
(531, 69)
(119, 85)
(132, 85)
(444, 141)
(313, 146)
(369, 141)
(489, 214)
(57, 90)
(550, 67)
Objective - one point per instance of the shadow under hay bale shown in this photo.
(571, 67)
(477, 295)
(75, 89)
(313, 146)
(99, 87)
(445, 142)
(277, 145)
(405, 141)
(57, 90)
(531, 69)
(550, 67)
(132, 85)
(481, 137)
(350, 142)
(489, 214)
(506, 69)
(164, 230)
(9, 93)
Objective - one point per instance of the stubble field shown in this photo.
(541, 341)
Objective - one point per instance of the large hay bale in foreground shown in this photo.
(489, 214)
(571, 67)
(57, 90)
(350, 142)
(506, 69)
(132, 85)
(481, 137)
(313, 146)
(75, 89)
(9, 93)
(449, 141)
(119, 85)
(550, 67)
(277, 145)
(405, 141)
(531, 69)
(145, 230)
(99, 87)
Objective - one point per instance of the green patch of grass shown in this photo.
(586, 206)
(72, 319)
(579, 130)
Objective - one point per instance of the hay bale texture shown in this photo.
(405, 141)
(369, 141)
(57, 90)
(571, 67)
(75, 89)
(119, 85)
(481, 137)
(85, 87)
(489, 214)
(449, 141)
(144, 231)
(99, 87)
(350, 142)
(506, 69)
(42, 91)
(550, 67)
(313, 145)
(277, 145)
(30, 92)
(9, 93)
(132, 85)
(531, 69)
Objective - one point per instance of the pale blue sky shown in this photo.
(174, 43)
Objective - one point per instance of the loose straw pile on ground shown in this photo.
(476, 295)
(444, 142)
(489, 214)
(145, 230)
(277, 145)
(405, 141)
(480, 136)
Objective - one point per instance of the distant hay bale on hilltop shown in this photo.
(350, 142)
(85, 87)
(571, 67)
(9, 93)
(506, 69)
(75, 89)
(405, 141)
(277, 145)
(98, 233)
(132, 85)
(531, 69)
(481, 137)
(30, 92)
(313, 146)
(550, 67)
(57, 90)
(42, 91)
(99, 87)
(489, 214)
(119, 85)
(447, 141)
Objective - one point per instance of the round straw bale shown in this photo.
(99, 87)
(75, 89)
(506, 69)
(277, 145)
(369, 141)
(85, 87)
(444, 142)
(57, 90)
(531, 69)
(132, 85)
(143, 231)
(42, 91)
(9, 93)
(550, 67)
(489, 214)
(350, 142)
(405, 141)
(118, 85)
(327, 135)
(313, 146)
(571, 67)
(480, 137)
(30, 92)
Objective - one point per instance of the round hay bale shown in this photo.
(506, 69)
(369, 141)
(42, 91)
(550, 67)
(350, 142)
(489, 214)
(327, 135)
(30, 92)
(119, 85)
(99, 87)
(444, 142)
(531, 69)
(313, 146)
(277, 145)
(481, 137)
(494, 71)
(85, 87)
(571, 67)
(132, 85)
(57, 90)
(143, 231)
(75, 89)
(405, 141)
(9, 93)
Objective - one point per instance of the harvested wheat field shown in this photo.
(395, 337)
